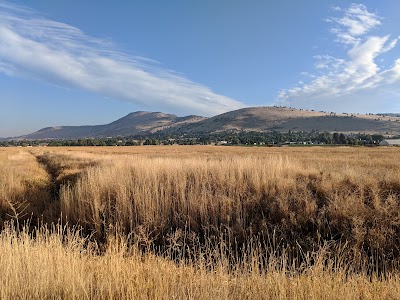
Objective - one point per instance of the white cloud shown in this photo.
(325, 62)
(36, 47)
(355, 82)
(356, 21)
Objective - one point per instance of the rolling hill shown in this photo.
(284, 119)
(132, 124)
(247, 119)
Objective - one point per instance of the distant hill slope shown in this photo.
(284, 119)
(247, 119)
(135, 123)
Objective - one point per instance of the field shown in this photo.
(200, 222)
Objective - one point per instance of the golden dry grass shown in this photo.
(58, 264)
(23, 185)
(309, 195)
(202, 223)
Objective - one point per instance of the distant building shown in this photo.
(389, 142)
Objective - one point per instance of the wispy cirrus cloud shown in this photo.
(355, 22)
(355, 82)
(36, 47)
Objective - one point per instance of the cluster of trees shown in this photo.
(299, 137)
(71, 142)
(228, 137)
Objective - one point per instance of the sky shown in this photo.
(70, 62)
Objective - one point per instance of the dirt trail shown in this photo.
(62, 169)
(54, 184)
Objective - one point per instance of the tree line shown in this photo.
(204, 138)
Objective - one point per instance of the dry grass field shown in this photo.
(200, 222)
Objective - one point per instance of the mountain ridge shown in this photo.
(262, 118)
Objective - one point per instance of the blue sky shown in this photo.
(70, 62)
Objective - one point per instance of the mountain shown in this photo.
(134, 123)
(247, 119)
(284, 119)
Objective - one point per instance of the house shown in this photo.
(389, 142)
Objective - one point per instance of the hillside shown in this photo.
(134, 123)
(247, 119)
(284, 119)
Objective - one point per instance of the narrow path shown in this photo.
(59, 173)
(62, 169)
(54, 184)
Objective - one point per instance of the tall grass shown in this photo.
(58, 263)
(241, 199)
(231, 223)
(23, 187)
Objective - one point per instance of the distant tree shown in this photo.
(130, 143)
(336, 138)
(342, 139)
(378, 137)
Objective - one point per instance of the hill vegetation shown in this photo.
(273, 138)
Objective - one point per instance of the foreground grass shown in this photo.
(200, 223)
(59, 264)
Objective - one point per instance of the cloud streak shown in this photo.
(355, 82)
(35, 47)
